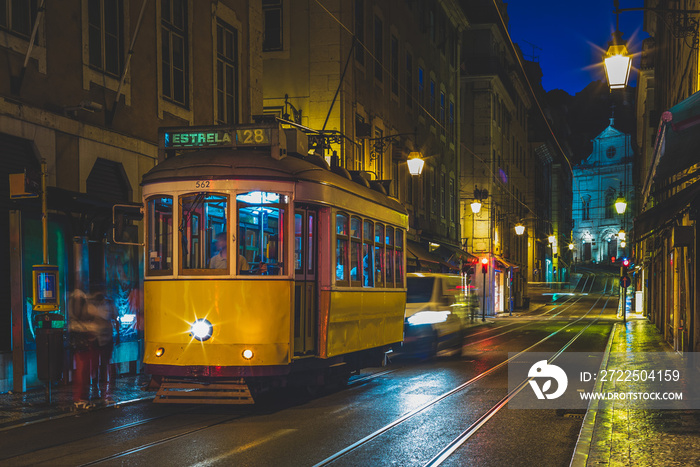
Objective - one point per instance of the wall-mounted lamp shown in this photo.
(415, 163)
(519, 229)
(571, 246)
(621, 235)
(479, 196)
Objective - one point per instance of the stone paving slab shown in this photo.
(614, 433)
(28, 407)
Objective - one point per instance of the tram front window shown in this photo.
(261, 220)
(203, 221)
(160, 233)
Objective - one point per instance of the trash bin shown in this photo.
(49, 346)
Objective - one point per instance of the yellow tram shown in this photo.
(264, 266)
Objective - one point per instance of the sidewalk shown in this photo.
(31, 406)
(615, 434)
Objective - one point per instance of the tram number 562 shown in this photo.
(201, 184)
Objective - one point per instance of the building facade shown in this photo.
(599, 181)
(371, 82)
(86, 86)
(665, 229)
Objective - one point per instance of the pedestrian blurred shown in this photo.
(82, 339)
(104, 315)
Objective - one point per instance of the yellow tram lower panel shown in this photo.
(359, 320)
(245, 314)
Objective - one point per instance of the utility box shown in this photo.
(49, 346)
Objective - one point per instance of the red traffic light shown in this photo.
(625, 262)
(484, 265)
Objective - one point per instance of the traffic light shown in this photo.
(625, 265)
(484, 265)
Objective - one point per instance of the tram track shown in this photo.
(463, 437)
(365, 440)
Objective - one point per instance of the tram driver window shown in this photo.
(202, 232)
(261, 221)
(160, 233)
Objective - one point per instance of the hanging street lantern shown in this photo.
(620, 205)
(618, 62)
(415, 163)
(519, 229)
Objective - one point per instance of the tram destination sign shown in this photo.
(190, 138)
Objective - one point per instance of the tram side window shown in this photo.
(398, 257)
(160, 233)
(204, 243)
(389, 263)
(341, 248)
(368, 254)
(261, 232)
(298, 239)
(355, 248)
(378, 255)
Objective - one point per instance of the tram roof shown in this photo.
(250, 164)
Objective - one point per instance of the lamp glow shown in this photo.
(415, 163)
(551, 238)
(247, 354)
(519, 229)
(618, 62)
(621, 235)
(201, 329)
(160, 351)
(571, 246)
(476, 207)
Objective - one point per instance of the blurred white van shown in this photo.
(438, 307)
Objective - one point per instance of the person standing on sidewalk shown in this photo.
(81, 337)
(104, 315)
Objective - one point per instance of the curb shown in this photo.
(585, 436)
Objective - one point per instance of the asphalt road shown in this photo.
(404, 414)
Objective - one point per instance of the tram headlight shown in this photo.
(247, 354)
(201, 329)
(160, 351)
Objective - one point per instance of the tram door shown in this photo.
(305, 266)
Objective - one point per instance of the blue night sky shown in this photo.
(573, 36)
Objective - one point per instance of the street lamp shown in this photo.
(479, 196)
(618, 62)
(415, 163)
(621, 235)
(620, 205)
(571, 246)
(551, 238)
(519, 229)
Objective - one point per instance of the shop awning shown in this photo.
(677, 142)
(452, 254)
(415, 252)
(505, 263)
(657, 218)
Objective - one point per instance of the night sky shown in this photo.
(573, 36)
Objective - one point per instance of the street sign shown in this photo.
(625, 281)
